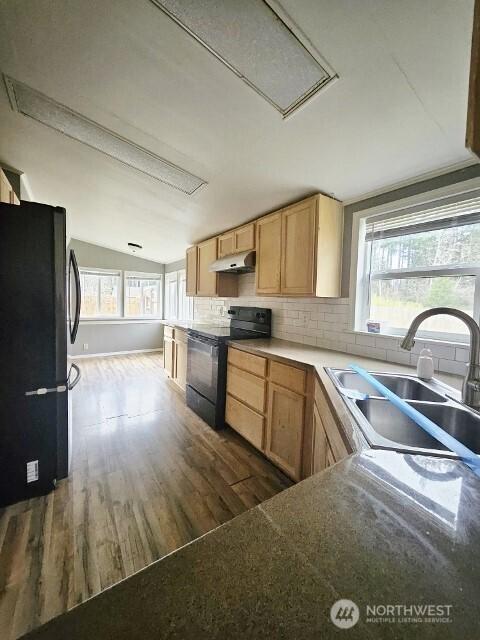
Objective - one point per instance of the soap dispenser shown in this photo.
(425, 365)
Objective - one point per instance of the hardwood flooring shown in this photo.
(148, 476)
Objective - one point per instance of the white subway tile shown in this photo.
(367, 341)
(449, 366)
(398, 356)
(462, 355)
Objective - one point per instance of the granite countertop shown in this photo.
(379, 528)
(179, 324)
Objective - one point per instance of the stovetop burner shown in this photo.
(226, 333)
(246, 322)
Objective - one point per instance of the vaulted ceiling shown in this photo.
(397, 110)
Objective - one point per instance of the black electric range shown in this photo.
(207, 360)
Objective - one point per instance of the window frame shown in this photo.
(360, 277)
(106, 272)
(142, 275)
(178, 276)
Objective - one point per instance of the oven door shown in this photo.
(202, 366)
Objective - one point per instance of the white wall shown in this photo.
(112, 336)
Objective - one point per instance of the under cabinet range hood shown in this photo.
(236, 263)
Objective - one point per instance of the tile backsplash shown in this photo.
(326, 323)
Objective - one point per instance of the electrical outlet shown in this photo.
(85, 346)
(32, 471)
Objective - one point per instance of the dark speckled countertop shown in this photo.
(379, 528)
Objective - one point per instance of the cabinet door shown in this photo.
(269, 245)
(320, 444)
(226, 244)
(191, 263)
(207, 280)
(284, 435)
(168, 357)
(298, 248)
(245, 238)
(181, 364)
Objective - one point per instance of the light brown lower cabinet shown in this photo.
(283, 412)
(245, 421)
(322, 455)
(175, 355)
(180, 359)
(328, 446)
(284, 432)
(168, 362)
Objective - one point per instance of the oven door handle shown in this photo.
(213, 346)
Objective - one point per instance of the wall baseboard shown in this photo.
(111, 353)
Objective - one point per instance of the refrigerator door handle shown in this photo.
(70, 384)
(78, 295)
(43, 390)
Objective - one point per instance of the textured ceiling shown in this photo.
(397, 110)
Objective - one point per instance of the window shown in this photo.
(420, 258)
(100, 293)
(178, 306)
(143, 295)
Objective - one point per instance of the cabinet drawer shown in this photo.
(245, 421)
(181, 336)
(247, 361)
(286, 376)
(246, 387)
(168, 331)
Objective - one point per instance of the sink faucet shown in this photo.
(471, 384)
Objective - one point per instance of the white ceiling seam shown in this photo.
(30, 102)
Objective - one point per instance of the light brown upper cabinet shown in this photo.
(191, 262)
(299, 249)
(269, 246)
(206, 280)
(237, 240)
(473, 116)
(7, 194)
(226, 244)
(211, 283)
(245, 238)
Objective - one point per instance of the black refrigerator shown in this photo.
(39, 314)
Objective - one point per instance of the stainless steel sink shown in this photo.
(386, 427)
(390, 423)
(405, 387)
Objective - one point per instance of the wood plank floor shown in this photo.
(148, 476)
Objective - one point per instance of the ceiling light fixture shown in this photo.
(256, 43)
(57, 116)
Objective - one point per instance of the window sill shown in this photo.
(87, 321)
(446, 343)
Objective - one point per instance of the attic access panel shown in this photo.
(252, 40)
